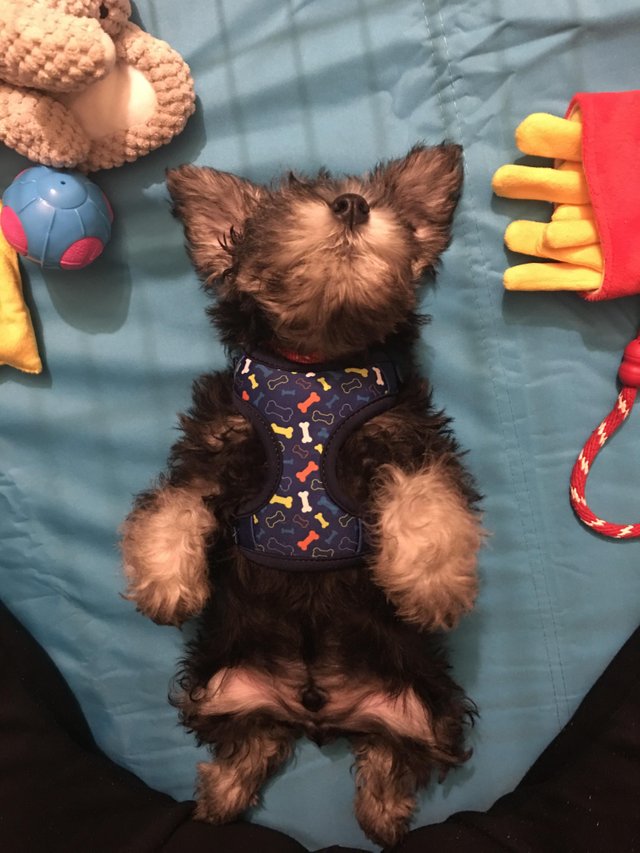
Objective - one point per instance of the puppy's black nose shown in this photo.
(312, 699)
(350, 208)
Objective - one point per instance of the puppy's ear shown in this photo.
(210, 204)
(425, 187)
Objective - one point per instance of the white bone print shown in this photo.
(304, 497)
(306, 438)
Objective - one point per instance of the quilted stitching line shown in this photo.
(517, 468)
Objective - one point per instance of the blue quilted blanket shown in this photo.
(341, 83)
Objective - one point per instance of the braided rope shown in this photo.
(629, 375)
(582, 467)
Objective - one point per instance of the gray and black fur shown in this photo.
(318, 268)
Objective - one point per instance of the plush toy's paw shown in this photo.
(40, 128)
(51, 50)
(141, 105)
(427, 545)
(164, 543)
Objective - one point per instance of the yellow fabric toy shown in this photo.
(17, 339)
(592, 239)
(571, 238)
(82, 87)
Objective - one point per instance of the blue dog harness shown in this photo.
(303, 415)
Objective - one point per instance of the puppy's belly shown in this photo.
(350, 706)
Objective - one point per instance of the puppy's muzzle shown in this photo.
(350, 208)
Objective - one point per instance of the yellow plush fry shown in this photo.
(572, 211)
(545, 135)
(570, 166)
(541, 184)
(17, 339)
(564, 233)
(528, 238)
(551, 277)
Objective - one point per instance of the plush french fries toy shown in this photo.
(592, 243)
(592, 239)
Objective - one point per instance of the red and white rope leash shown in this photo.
(629, 374)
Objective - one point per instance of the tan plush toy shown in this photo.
(82, 87)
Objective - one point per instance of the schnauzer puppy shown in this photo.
(315, 508)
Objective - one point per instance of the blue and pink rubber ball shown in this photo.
(57, 218)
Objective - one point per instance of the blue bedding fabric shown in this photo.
(339, 83)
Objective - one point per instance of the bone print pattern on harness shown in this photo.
(303, 415)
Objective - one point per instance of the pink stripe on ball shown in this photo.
(81, 253)
(13, 230)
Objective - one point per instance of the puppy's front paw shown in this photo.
(166, 606)
(428, 539)
(164, 543)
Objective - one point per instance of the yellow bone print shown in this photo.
(279, 499)
(287, 432)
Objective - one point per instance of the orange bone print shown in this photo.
(303, 544)
(311, 399)
(302, 475)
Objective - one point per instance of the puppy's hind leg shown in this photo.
(385, 789)
(231, 783)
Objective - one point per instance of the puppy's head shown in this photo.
(318, 266)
